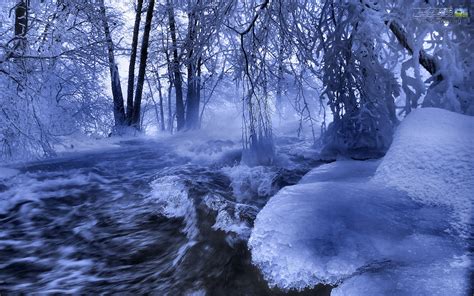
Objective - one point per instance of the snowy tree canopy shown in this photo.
(365, 64)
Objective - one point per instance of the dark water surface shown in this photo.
(87, 223)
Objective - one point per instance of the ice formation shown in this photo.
(377, 231)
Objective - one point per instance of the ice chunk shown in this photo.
(330, 231)
(229, 223)
(439, 278)
(172, 196)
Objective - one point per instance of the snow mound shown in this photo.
(342, 170)
(431, 159)
(332, 231)
(369, 230)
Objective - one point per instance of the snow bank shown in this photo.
(343, 170)
(332, 231)
(82, 143)
(431, 159)
(376, 231)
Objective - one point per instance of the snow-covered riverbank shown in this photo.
(398, 227)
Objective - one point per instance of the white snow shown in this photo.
(342, 170)
(370, 231)
(81, 143)
(431, 159)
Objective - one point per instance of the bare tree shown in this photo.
(133, 58)
(142, 67)
(119, 112)
(177, 79)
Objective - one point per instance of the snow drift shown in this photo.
(431, 160)
(365, 230)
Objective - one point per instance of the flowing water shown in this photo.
(135, 219)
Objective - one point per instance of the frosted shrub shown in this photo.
(50, 77)
(359, 90)
(453, 52)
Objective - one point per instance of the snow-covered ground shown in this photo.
(432, 160)
(392, 227)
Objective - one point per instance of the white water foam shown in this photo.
(27, 187)
(232, 218)
(173, 201)
(250, 182)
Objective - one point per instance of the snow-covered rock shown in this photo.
(377, 231)
(431, 159)
(342, 170)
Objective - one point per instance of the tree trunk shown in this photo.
(133, 58)
(198, 94)
(162, 114)
(21, 19)
(119, 112)
(142, 68)
(194, 95)
(177, 74)
(170, 112)
(190, 96)
(279, 86)
(21, 25)
(425, 59)
(157, 113)
(192, 61)
(60, 7)
(170, 87)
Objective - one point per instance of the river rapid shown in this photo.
(139, 218)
